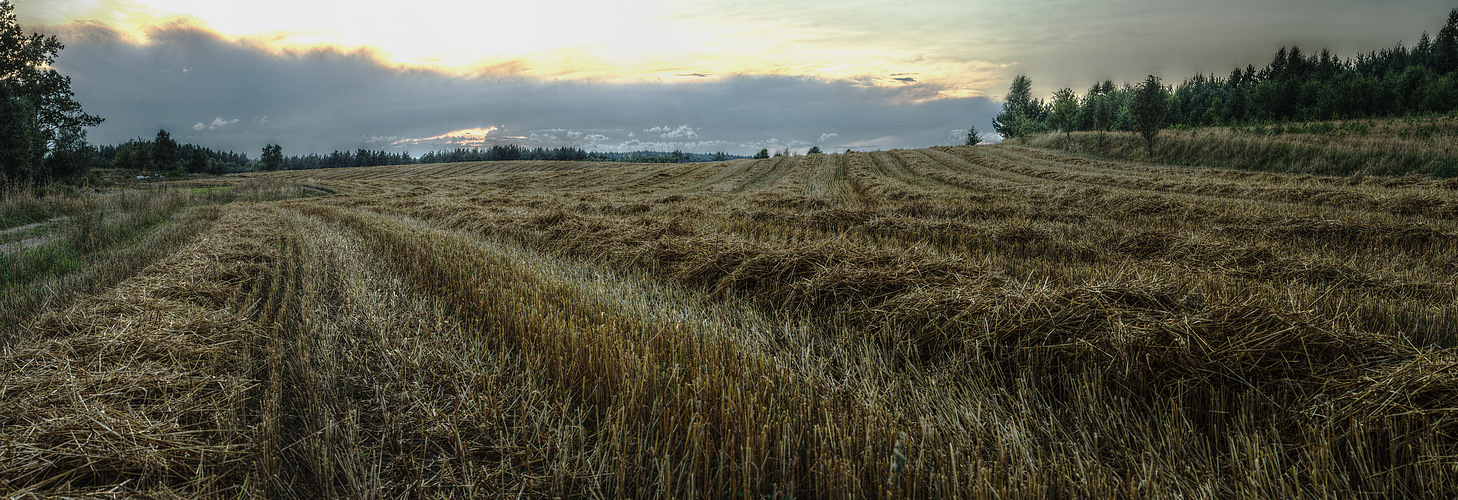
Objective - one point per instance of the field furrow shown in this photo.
(950, 322)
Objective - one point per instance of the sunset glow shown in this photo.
(467, 138)
(635, 41)
(743, 75)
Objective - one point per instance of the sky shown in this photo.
(702, 76)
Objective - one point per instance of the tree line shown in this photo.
(501, 152)
(166, 156)
(163, 155)
(1293, 86)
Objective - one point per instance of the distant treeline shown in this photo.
(509, 152)
(513, 152)
(337, 159)
(1294, 86)
(166, 156)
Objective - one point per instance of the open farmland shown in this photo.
(947, 322)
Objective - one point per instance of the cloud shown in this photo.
(681, 132)
(691, 75)
(955, 137)
(826, 137)
(200, 127)
(474, 137)
(324, 100)
(905, 79)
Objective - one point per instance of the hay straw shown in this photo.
(136, 391)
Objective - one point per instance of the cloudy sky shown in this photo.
(703, 76)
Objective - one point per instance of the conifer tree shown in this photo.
(1012, 122)
(973, 137)
(165, 154)
(1445, 49)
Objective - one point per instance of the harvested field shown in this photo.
(949, 322)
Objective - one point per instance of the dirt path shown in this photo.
(28, 243)
(28, 227)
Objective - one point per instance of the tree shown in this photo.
(38, 101)
(20, 146)
(814, 150)
(973, 137)
(1099, 106)
(165, 152)
(1016, 107)
(134, 155)
(1148, 108)
(720, 156)
(762, 154)
(1445, 50)
(1065, 108)
(272, 157)
(72, 157)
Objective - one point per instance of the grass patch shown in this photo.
(104, 238)
(1425, 146)
(13, 235)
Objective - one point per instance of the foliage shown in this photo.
(21, 142)
(165, 153)
(1293, 86)
(973, 137)
(37, 111)
(762, 154)
(271, 159)
(1148, 109)
(1064, 110)
(814, 150)
(1021, 114)
(135, 155)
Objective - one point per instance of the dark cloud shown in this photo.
(1075, 44)
(210, 91)
(905, 79)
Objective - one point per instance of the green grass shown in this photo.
(103, 238)
(34, 232)
(20, 206)
(20, 269)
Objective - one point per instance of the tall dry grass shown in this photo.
(89, 241)
(1386, 147)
